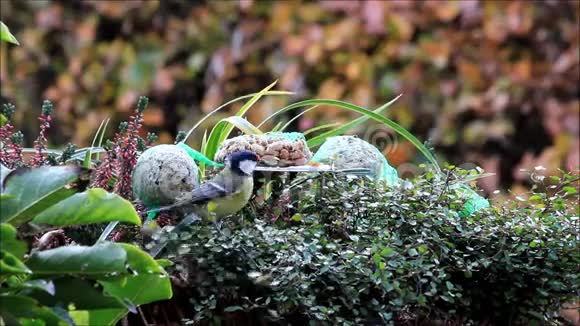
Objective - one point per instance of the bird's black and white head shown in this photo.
(242, 163)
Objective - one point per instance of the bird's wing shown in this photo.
(220, 186)
(208, 191)
(198, 196)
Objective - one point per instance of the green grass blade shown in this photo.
(372, 115)
(202, 149)
(318, 140)
(228, 129)
(82, 152)
(213, 140)
(204, 140)
(244, 125)
(88, 155)
(277, 127)
(296, 117)
(100, 143)
(207, 116)
(222, 129)
(321, 127)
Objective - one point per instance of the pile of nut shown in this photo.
(274, 149)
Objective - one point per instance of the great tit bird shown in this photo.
(225, 194)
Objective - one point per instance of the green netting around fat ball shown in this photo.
(474, 201)
(346, 152)
(292, 136)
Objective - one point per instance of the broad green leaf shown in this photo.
(67, 290)
(31, 322)
(101, 317)
(5, 34)
(147, 284)
(138, 289)
(9, 241)
(140, 261)
(96, 260)
(34, 190)
(92, 206)
(13, 307)
(222, 129)
(10, 265)
(3, 119)
(44, 286)
(164, 262)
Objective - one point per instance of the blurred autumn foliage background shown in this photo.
(494, 83)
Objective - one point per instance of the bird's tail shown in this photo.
(179, 203)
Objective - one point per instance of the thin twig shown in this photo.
(445, 187)
(142, 316)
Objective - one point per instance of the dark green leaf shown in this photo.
(99, 259)
(10, 265)
(102, 317)
(10, 243)
(46, 286)
(92, 206)
(16, 306)
(138, 289)
(67, 290)
(34, 190)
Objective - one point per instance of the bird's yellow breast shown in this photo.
(221, 207)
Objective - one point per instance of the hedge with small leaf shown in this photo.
(353, 252)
